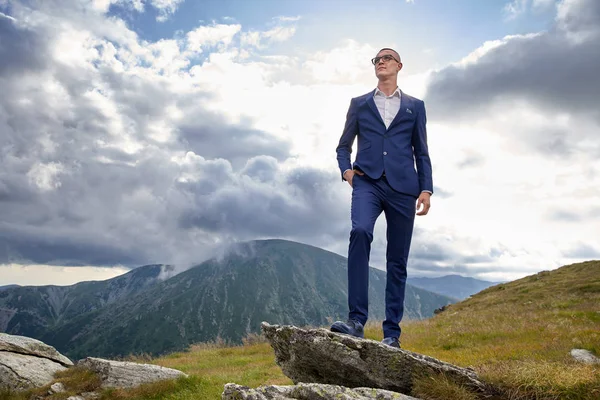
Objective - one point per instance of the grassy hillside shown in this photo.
(516, 335)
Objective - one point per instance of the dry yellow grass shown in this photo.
(519, 335)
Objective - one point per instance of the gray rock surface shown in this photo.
(124, 374)
(33, 347)
(321, 356)
(308, 391)
(85, 396)
(585, 356)
(57, 387)
(22, 372)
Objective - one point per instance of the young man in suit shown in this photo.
(391, 174)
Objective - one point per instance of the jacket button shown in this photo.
(385, 153)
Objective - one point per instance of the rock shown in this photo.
(440, 310)
(584, 356)
(123, 374)
(57, 387)
(85, 396)
(321, 356)
(33, 347)
(22, 372)
(312, 391)
(90, 395)
(26, 363)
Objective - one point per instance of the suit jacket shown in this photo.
(400, 150)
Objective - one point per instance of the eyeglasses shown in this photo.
(385, 58)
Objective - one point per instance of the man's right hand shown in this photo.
(349, 175)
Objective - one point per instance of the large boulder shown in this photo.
(26, 363)
(312, 391)
(124, 374)
(321, 356)
(32, 347)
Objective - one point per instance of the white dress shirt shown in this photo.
(388, 106)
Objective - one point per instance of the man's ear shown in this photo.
(399, 66)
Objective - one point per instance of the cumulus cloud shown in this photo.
(112, 153)
(165, 8)
(552, 70)
(282, 30)
(520, 120)
(119, 151)
(516, 8)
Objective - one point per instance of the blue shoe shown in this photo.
(350, 327)
(391, 341)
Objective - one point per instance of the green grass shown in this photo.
(517, 336)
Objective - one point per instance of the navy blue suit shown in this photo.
(397, 168)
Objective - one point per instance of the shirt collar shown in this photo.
(380, 93)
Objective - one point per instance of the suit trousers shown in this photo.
(369, 198)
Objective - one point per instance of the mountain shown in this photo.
(8, 287)
(32, 310)
(278, 281)
(455, 286)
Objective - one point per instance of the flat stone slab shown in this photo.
(125, 374)
(321, 356)
(33, 347)
(306, 391)
(21, 372)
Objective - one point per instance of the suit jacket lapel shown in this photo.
(373, 106)
(404, 104)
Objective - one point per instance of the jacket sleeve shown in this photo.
(421, 151)
(344, 148)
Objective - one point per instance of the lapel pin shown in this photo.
(408, 111)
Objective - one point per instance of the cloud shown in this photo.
(21, 49)
(515, 8)
(116, 151)
(165, 8)
(540, 85)
(347, 63)
(547, 69)
(577, 215)
(26, 275)
(211, 36)
(583, 250)
(283, 30)
(300, 203)
(518, 117)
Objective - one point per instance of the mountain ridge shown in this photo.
(456, 286)
(225, 298)
(38, 307)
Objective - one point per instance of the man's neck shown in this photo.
(388, 86)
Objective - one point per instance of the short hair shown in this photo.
(387, 48)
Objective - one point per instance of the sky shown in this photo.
(136, 132)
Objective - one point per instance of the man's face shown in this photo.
(387, 64)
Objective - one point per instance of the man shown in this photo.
(392, 140)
